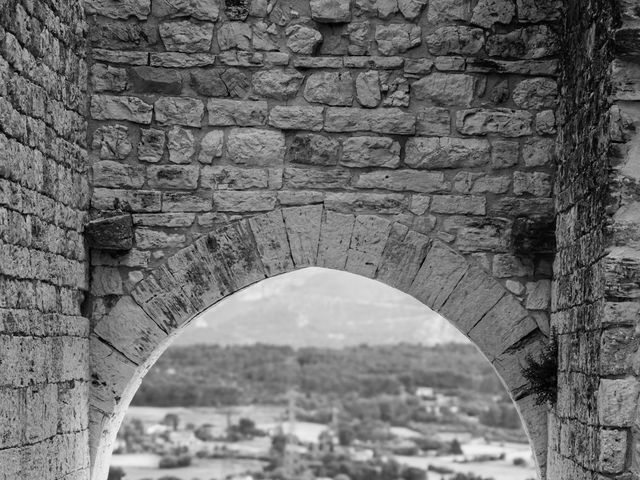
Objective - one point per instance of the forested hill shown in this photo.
(212, 375)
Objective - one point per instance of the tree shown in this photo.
(116, 473)
(172, 421)
(346, 435)
(455, 448)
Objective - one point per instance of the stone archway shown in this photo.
(127, 341)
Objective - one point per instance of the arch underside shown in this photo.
(126, 343)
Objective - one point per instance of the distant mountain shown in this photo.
(323, 308)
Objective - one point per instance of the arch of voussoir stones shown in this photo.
(126, 342)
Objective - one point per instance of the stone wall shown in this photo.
(44, 195)
(593, 430)
(435, 118)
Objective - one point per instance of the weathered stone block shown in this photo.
(112, 233)
(112, 174)
(314, 178)
(363, 152)
(119, 9)
(270, 234)
(181, 145)
(234, 35)
(537, 41)
(173, 177)
(446, 152)
(330, 11)
(106, 78)
(156, 80)
(277, 83)
(617, 400)
(243, 201)
(455, 40)
(449, 10)
(151, 145)
(397, 38)
(368, 239)
(185, 202)
(255, 147)
(458, 204)
(303, 231)
(186, 36)
(302, 39)
(221, 177)
(329, 88)
(314, 149)
(445, 89)
(403, 180)
(112, 142)
(536, 93)
(382, 120)
(126, 200)
(499, 121)
(486, 13)
(179, 111)
(402, 257)
(296, 118)
(105, 107)
(237, 112)
(537, 184)
(147, 238)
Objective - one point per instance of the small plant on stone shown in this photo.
(541, 371)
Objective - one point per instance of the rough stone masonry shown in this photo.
(158, 156)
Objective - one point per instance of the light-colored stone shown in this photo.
(538, 295)
(270, 234)
(368, 89)
(499, 121)
(538, 152)
(242, 113)
(335, 237)
(276, 83)
(118, 9)
(330, 11)
(433, 121)
(449, 10)
(117, 175)
(536, 93)
(316, 178)
(234, 35)
(397, 38)
(329, 88)
(147, 238)
(254, 146)
(211, 146)
(403, 181)
(455, 40)
(363, 152)
(445, 89)
(303, 230)
(179, 111)
(537, 184)
(617, 400)
(185, 202)
(402, 257)
(112, 142)
(381, 120)
(446, 152)
(199, 9)
(507, 265)
(107, 78)
(243, 201)
(370, 234)
(486, 13)
(302, 39)
(186, 36)
(411, 9)
(105, 107)
(181, 145)
(296, 118)
(458, 204)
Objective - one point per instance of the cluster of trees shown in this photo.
(212, 375)
(501, 415)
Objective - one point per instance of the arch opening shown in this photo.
(130, 339)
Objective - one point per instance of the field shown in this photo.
(144, 466)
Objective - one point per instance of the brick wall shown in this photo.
(44, 196)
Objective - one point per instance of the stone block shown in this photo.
(617, 401)
(458, 204)
(278, 84)
(211, 146)
(402, 257)
(126, 200)
(446, 152)
(382, 120)
(130, 331)
(151, 146)
(237, 112)
(296, 118)
(312, 149)
(185, 36)
(397, 38)
(360, 152)
(330, 11)
(179, 111)
(220, 177)
(330, 88)
(147, 238)
(148, 80)
(173, 177)
(270, 234)
(499, 121)
(455, 40)
(303, 230)
(105, 107)
(185, 202)
(253, 146)
(243, 201)
(112, 174)
(112, 142)
(316, 179)
(403, 181)
(199, 9)
(112, 233)
(613, 451)
(368, 239)
(335, 237)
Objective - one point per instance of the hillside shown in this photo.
(320, 308)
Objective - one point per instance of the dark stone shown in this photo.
(112, 233)
(237, 9)
(208, 83)
(156, 80)
(123, 36)
(236, 82)
(628, 42)
(532, 235)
